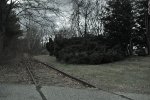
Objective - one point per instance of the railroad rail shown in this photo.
(38, 87)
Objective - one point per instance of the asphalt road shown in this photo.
(31, 92)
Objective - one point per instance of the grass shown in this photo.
(130, 75)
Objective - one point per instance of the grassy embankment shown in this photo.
(130, 75)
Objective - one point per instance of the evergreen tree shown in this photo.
(12, 29)
(142, 23)
(140, 13)
(50, 47)
(12, 26)
(9, 27)
(118, 23)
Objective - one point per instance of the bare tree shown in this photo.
(75, 17)
(96, 24)
(37, 11)
(6, 7)
(87, 15)
(33, 39)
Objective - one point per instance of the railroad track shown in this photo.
(38, 87)
(32, 76)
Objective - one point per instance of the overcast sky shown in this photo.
(63, 19)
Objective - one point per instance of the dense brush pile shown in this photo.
(85, 50)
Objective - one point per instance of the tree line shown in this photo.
(20, 17)
(100, 29)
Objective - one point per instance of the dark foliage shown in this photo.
(86, 50)
(120, 34)
(9, 30)
(118, 23)
(140, 13)
(12, 30)
(50, 47)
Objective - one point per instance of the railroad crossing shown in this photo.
(30, 92)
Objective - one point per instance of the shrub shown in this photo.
(86, 50)
(50, 47)
(141, 52)
(96, 58)
(82, 58)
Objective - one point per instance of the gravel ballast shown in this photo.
(17, 73)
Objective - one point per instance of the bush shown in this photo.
(70, 55)
(141, 52)
(82, 58)
(96, 58)
(50, 47)
(86, 50)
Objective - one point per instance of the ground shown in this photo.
(130, 75)
(127, 78)
(30, 92)
(16, 73)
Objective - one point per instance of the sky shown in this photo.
(61, 20)
(66, 11)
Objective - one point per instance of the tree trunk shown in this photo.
(148, 32)
(78, 20)
(85, 29)
(131, 47)
(1, 45)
